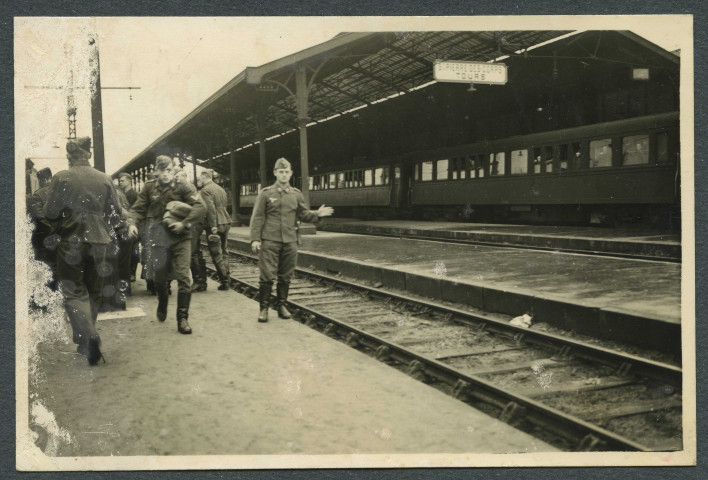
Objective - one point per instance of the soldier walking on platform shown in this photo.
(217, 224)
(84, 203)
(274, 235)
(169, 210)
(126, 185)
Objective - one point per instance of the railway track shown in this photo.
(574, 395)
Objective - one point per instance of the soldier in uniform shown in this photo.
(126, 185)
(168, 242)
(84, 203)
(274, 237)
(217, 224)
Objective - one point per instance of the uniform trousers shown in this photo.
(218, 252)
(125, 254)
(82, 271)
(171, 262)
(277, 258)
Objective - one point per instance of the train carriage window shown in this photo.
(601, 153)
(379, 178)
(578, 158)
(441, 170)
(369, 177)
(548, 160)
(563, 157)
(332, 181)
(340, 180)
(472, 166)
(311, 183)
(537, 161)
(426, 173)
(461, 168)
(635, 150)
(482, 166)
(662, 147)
(455, 170)
(385, 180)
(519, 162)
(496, 164)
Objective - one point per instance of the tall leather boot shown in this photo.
(282, 293)
(183, 299)
(264, 298)
(162, 298)
(223, 275)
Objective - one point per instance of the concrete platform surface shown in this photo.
(625, 240)
(237, 387)
(618, 298)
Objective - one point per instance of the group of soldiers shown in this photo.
(88, 228)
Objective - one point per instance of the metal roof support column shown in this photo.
(194, 168)
(260, 132)
(301, 93)
(230, 140)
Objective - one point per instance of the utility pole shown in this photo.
(99, 159)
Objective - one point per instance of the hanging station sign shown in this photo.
(470, 72)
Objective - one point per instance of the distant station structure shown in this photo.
(548, 127)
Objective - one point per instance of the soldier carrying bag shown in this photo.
(175, 211)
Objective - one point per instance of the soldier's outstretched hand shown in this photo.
(324, 211)
(133, 232)
(255, 247)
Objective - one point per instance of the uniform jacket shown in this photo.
(36, 201)
(215, 201)
(131, 195)
(275, 213)
(85, 204)
(150, 207)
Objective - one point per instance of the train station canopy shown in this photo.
(355, 70)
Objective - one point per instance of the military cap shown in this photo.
(125, 174)
(79, 145)
(163, 162)
(281, 163)
(44, 174)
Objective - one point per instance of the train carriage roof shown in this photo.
(355, 70)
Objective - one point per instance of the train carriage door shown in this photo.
(396, 190)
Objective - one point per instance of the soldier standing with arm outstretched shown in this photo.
(274, 237)
(168, 237)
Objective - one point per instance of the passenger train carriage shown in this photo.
(617, 172)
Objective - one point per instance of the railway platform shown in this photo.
(618, 299)
(640, 241)
(239, 387)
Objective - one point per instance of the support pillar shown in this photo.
(235, 186)
(260, 131)
(301, 95)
